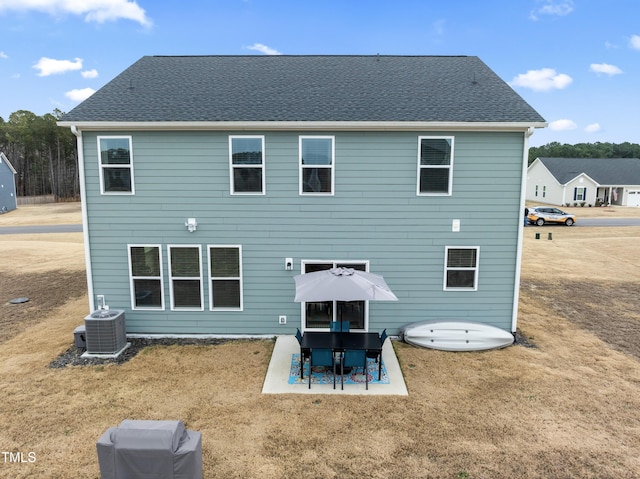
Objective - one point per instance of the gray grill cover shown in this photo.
(150, 449)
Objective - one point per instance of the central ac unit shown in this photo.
(106, 332)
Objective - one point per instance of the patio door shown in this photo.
(318, 315)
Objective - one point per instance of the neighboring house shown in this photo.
(8, 198)
(592, 181)
(208, 182)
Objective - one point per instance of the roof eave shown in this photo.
(303, 125)
(583, 174)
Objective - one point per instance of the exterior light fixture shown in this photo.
(191, 224)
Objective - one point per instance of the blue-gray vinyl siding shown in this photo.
(374, 215)
(8, 199)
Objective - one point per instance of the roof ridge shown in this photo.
(328, 55)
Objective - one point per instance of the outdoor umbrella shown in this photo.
(342, 284)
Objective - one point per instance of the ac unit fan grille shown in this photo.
(105, 335)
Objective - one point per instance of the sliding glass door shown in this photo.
(318, 315)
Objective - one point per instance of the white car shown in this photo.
(539, 215)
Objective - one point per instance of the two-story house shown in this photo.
(209, 181)
(8, 197)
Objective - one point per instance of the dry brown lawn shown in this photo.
(567, 408)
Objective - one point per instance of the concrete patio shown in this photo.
(277, 378)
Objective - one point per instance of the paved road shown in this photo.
(608, 222)
(20, 230)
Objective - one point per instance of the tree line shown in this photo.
(585, 150)
(45, 155)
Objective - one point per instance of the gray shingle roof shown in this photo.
(605, 171)
(306, 88)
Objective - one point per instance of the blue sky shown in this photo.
(577, 62)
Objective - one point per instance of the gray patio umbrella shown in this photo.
(342, 284)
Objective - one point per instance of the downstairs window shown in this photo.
(461, 268)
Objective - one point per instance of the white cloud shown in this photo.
(634, 42)
(99, 11)
(544, 79)
(592, 128)
(438, 27)
(89, 73)
(49, 66)
(3, 55)
(562, 125)
(557, 8)
(605, 68)
(80, 94)
(259, 47)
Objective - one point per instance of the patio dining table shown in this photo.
(339, 342)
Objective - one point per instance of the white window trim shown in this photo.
(132, 289)
(332, 166)
(130, 166)
(450, 167)
(232, 166)
(211, 278)
(178, 278)
(476, 269)
(303, 308)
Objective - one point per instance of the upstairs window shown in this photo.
(246, 158)
(225, 278)
(461, 268)
(116, 165)
(145, 274)
(435, 165)
(317, 165)
(186, 277)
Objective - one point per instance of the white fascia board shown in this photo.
(8, 163)
(584, 175)
(591, 179)
(553, 177)
(303, 125)
(533, 163)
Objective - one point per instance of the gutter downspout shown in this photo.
(523, 190)
(85, 220)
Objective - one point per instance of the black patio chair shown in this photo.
(303, 355)
(340, 326)
(378, 355)
(354, 358)
(322, 357)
